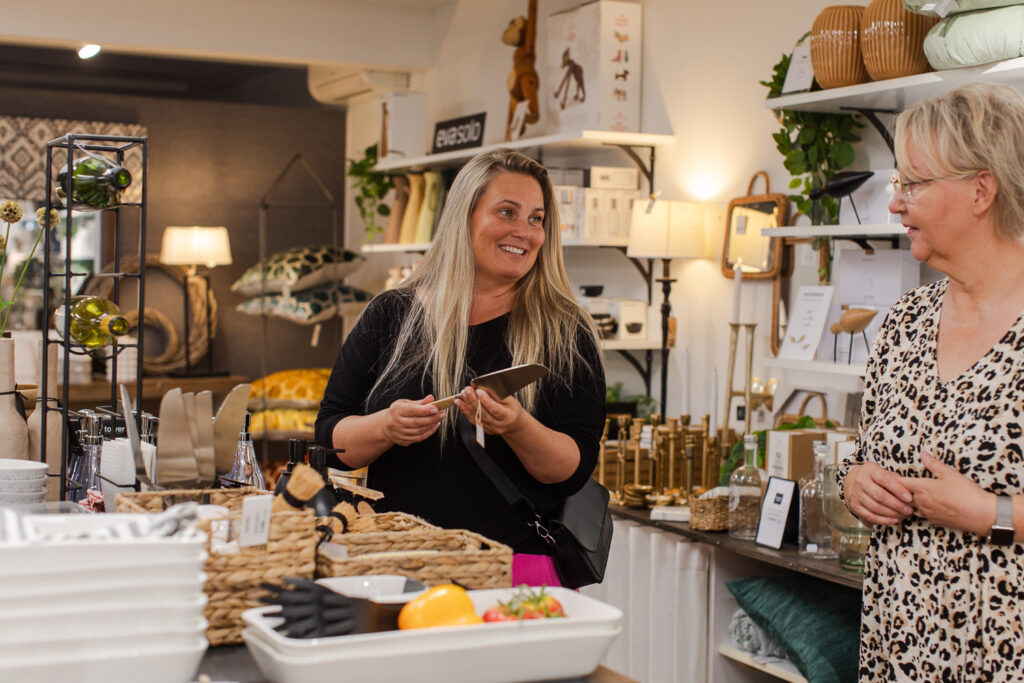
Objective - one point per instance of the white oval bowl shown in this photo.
(21, 469)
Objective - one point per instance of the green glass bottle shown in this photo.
(96, 183)
(94, 321)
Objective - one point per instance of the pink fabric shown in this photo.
(534, 570)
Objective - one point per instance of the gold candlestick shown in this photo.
(673, 434)
(620, 454)
(638, 425)
(751, 398)
(655, 455)
(705, 458)
(601, 452)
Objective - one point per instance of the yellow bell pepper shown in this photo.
(444, 605)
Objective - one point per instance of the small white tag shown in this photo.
(316, 335)
(800, 74)
(944, 7)
(255, 520)
(479, 427)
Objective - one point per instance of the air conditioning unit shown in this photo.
(338, 84)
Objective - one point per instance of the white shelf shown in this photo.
(899, 93)
(782, 669)
(580, 138)
(816, 374)
(394, 248)
(865, 230)
(630, 344)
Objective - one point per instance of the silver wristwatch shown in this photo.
(1002, 532)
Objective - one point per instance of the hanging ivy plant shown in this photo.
(372, 188)
(815, 146)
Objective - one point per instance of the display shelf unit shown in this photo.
(783, 669)
(155, 387)
(817, 374)
(418, 247)
(884, 231)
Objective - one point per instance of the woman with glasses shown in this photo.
(939, 468)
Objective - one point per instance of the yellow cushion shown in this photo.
(302, 388)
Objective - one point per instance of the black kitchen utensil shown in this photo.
(311, 610)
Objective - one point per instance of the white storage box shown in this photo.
(591, 218)
(614, 177)
(569, 199)
(593, 68)
(403, 125)
(632, 317)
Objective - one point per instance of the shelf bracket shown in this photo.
(647, 168)
(645, 372)
(645, 273)
(872, 116)
(863, 243)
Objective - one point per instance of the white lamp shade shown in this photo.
(666, 229)
(195, 245)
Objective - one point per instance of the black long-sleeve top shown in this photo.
(448, 488)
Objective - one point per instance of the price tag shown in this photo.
(800, 74)
(780, 510)
(941, 8)
(255, 521)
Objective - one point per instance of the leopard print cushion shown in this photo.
(298, 269)
(308, 307)
(942, 604)
(282, 420)
(301, 388)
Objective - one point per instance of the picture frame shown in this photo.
(780, 514)
(745, 218)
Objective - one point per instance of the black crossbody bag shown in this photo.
(579, 532)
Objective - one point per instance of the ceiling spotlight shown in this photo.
(87, 51)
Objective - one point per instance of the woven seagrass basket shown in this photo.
(709, 514)
(397, 543)
(232, 583)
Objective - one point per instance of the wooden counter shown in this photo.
(98, 392)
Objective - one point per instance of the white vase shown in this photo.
(12, 424)
(54, 433)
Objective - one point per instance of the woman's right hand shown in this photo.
(407, 422)
(876, 495)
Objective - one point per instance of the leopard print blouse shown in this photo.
(942, 604)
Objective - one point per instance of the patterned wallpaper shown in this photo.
(23, 153)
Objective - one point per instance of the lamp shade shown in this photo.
(666, 229)
(195, 245)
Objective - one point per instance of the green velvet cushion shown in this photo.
(815, 621)
(975, 38)
(927, 7)
(297, 269)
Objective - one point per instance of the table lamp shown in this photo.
(191, 247)
(666, 230)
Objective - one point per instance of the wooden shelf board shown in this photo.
(580, 138)
(630, 344)
(155, 387)
(773, 666)
(824, 367)
(395, 248)
(817, 374)
(885, 230)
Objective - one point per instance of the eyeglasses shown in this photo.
(899, 184)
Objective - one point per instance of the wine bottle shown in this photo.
(96, 183)
(94, 321)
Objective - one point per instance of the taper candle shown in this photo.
(737, 278)
(713, 425)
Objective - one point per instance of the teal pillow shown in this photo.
(816, 622)
(311, 306)
(297, 269)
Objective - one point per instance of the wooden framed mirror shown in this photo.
(760, 256)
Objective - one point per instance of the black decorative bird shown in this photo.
(842, 184)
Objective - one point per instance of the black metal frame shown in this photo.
(104, 144)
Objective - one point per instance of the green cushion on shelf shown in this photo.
(927, 7)
(815, 621)
(297, 269)
(975, 38)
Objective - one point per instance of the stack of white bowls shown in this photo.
(22, 482)
(84, 600)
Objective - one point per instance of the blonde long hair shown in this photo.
(545, 319)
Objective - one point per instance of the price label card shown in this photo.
(779, 509)
(800, 74)
(255, 521)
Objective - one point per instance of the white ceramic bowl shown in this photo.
(152, 665)
(23, 498)
(121, 590)
(378, 587)
(86, 643)
(21, 469)
(23, 485)
(101, 576)
(68, 621)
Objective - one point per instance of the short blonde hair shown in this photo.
(972, 128)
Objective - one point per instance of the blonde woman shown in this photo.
(939, 470)
(491, 292)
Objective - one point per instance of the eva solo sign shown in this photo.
(460, 133)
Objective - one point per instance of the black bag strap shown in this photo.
(519, 503)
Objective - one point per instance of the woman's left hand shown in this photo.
(951, 499)
(496, 417)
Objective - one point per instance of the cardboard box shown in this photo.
(616, 224)
(594, 304)
(791, 453)
(613, 177)
(590, 220)
(569, 199)
(403, 125)
(631, 315)
(591, 79)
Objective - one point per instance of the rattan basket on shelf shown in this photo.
(233, 579)
(396, 543)
(709, 514)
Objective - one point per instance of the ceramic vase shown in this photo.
(54, 431)
(891, 40)
(835, 47)
(14, 443)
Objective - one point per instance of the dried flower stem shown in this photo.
(21, 276)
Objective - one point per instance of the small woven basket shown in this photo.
(233, 579)
(395, 543)
(709, 514)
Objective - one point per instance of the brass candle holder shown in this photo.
(673, 436)
(601, 453)
(751, 399)
(620, 455)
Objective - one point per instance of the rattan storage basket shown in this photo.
(233, 579)
(395, 543)
(709, 514)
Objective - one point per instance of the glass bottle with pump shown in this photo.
(94, 321)
(92, 446)
(745, 488)
(815, 533)
(96, 183)
(246, 470)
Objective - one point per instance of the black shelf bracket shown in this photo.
(646, 167)
(644, 369)
(872, 117)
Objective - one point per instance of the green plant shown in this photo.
(815, 146)
(645, 405)
(736, 454)
(372, 187)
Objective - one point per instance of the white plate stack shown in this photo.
(527, 650)
(82, 599)
(22, 482)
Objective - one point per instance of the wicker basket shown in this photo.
(709, 514)
(232, 580)
(423, 552)
(387, 521)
